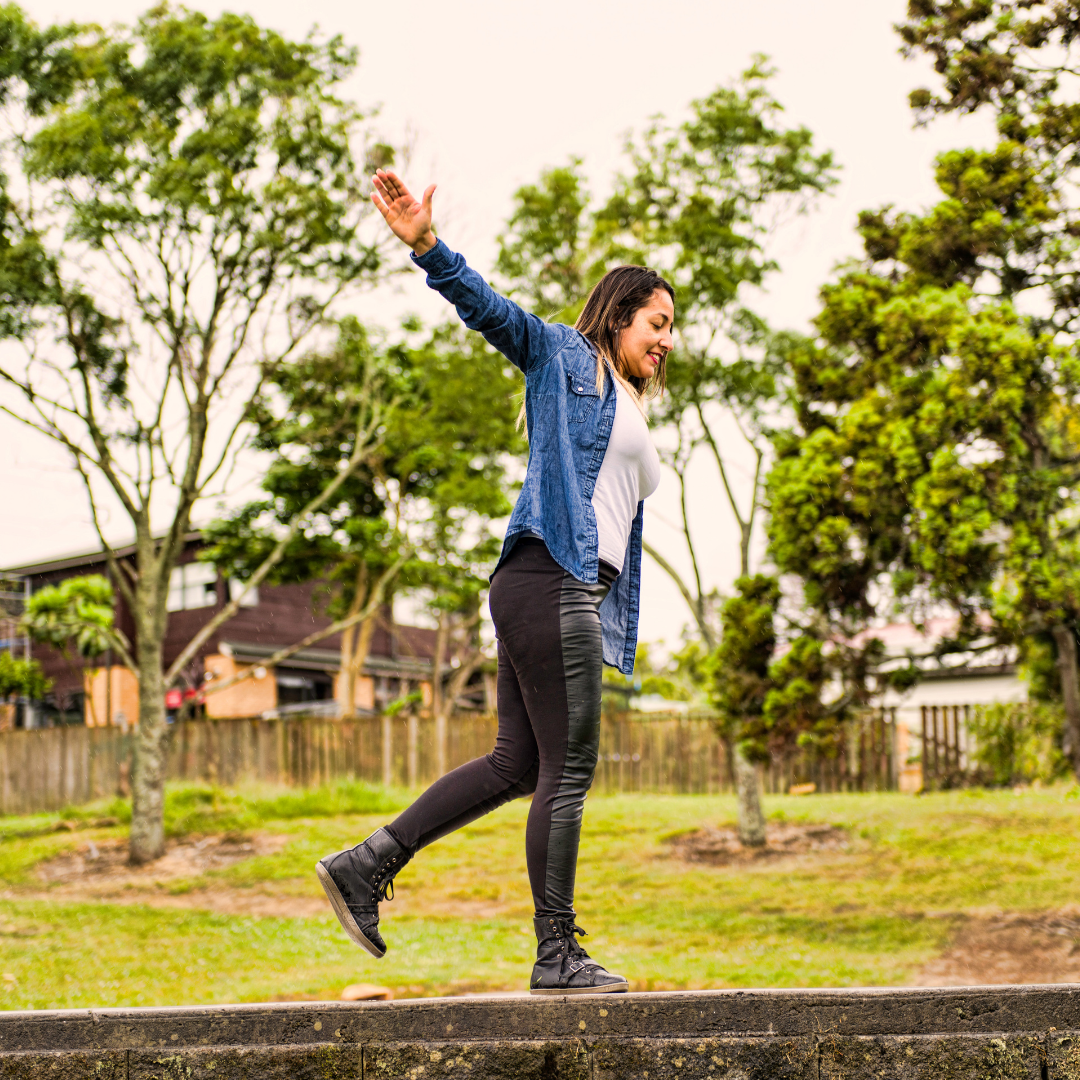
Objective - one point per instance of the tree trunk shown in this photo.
(438, 664)
(365, 631)
(751, 819)
(147, 839)
(350, 646)
(1065, 640)
(439, 708)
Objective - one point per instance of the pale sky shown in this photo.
(492, 93)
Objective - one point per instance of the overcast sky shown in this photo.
(493, 92)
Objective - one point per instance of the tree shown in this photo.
(305, 419)
(935, 461)
(79, 612)
(935, 464)
(180, 214)
(544, 252)
(23, 678)
(741, 685)
(414, 516)
(698, 204)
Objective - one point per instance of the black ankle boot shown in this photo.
(563, 966)
(355, 880)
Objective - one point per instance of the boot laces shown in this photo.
(573, 946)
(384, 889)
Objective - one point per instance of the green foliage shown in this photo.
(22, 677)
(78, 611)
(1017, 743)
(1009, 212)
(933, 466)
(773, 693)
(306, 418)
(936, 445)
(213, 144)
(436, 480)
(544, 251)
(697, 202)
(743, 658)
(199, 808)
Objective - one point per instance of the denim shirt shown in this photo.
(569, 425)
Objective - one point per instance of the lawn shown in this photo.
(870, 915)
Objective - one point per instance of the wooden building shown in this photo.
(101, 691)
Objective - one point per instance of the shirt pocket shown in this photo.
(582, 397)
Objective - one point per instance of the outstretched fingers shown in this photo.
(409, 219)
(390, 186)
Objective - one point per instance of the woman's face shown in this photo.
(647, 340)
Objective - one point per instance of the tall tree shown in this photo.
(698, 203)
(181, 212)
(77, 613)
(414, 516)
(936, 460)
(936, 463)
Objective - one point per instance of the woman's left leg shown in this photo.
(548, 624)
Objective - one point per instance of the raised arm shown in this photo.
(523, 339)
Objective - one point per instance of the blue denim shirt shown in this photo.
(569, 425)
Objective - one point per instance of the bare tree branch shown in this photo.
(374, 601)
(367, 442)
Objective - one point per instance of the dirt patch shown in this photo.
(104, 865)
(1009, 949)
(99, 873)
(721, 847)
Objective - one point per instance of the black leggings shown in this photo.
(550, 662)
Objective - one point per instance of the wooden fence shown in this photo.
(945, 744)
(48, 769)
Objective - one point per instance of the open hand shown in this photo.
(408, 219)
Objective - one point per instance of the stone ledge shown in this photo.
(973, 1033)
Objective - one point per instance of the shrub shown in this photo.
(1017, 743)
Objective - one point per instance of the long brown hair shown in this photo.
(614, 301)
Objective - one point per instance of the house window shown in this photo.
(194, 585)
(237, 587)
(295, 687)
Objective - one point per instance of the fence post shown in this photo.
(440, 744)
(387, 751)
(413, 735)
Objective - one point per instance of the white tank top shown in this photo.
(629, 473)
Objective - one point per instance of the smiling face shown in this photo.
(647, 340)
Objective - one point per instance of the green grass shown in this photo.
(869, 916)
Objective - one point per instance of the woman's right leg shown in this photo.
(358, 879)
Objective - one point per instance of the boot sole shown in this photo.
(611, 988)
(344, 915)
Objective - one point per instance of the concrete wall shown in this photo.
(976, 1033)
(251, 697)
(112, 697)
(365, 690)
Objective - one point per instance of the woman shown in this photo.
(564, 596)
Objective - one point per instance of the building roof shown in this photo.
(246, 652)
(83, 558)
